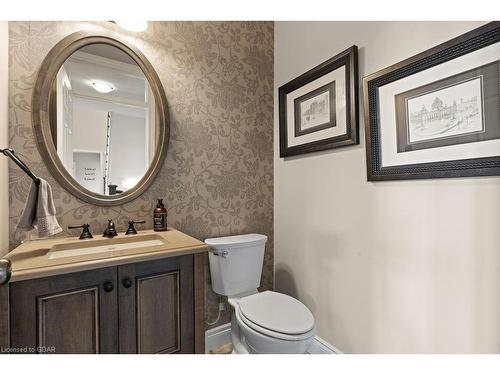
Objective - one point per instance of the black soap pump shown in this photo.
(160, 217)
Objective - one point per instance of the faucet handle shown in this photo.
(131, 228)
(85, 233)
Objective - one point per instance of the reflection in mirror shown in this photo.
(102, 122)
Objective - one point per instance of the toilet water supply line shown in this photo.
(222, 307)
(216, 320)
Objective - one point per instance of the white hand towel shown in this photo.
(40, 211)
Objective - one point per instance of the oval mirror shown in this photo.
(101, 118)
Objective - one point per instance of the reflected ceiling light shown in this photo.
(102, 87)
(133, 25)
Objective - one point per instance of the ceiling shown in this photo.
(109, 52)
(106, 63)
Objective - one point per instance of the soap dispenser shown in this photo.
(160, 217)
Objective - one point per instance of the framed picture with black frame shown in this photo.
(319, 109)
(437, 114)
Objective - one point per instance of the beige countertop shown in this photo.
(40, 258)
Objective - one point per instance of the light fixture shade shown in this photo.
(133, 25)
(102, 87)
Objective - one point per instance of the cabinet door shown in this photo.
(156, 306)
(71, 313)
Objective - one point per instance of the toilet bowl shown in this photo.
(271, 322)
(266, 322)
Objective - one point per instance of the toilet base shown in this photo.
(238, 342)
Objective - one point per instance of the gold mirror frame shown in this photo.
(42, 126)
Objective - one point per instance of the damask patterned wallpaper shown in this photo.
(217, 178)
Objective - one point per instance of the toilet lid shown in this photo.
(277, 312)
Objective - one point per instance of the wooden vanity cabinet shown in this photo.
(147, 307)
(156, 310)
(70, 313)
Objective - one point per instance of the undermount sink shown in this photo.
(54, 256)
(104, 245)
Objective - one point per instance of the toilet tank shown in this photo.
(236, 263)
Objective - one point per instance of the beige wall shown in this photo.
(389, 267)
(217, 178)
(4, 177)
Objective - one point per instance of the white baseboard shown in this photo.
(217, 336)
(221, 335)
(320, 346)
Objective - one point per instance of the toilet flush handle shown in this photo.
(222, 253)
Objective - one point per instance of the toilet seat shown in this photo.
(242, 321)
(276, 315)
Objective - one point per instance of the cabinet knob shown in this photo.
(127, 283)
(108, 286)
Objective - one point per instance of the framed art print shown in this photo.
(437, 114)
(318, 110)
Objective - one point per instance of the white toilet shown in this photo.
(266, 322)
